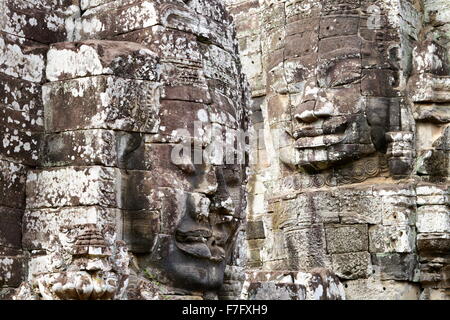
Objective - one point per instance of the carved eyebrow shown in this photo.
(332, 61)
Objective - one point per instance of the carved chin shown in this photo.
(189, 270)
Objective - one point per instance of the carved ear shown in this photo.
(401, 153)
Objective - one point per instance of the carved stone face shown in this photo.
(331, 93)
(328, 122)
(186, 210)
(203, 238)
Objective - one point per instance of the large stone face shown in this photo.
(124, 155)
(136, 105)
(350, 96)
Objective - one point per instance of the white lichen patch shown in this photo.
(16, 62)
(73, 186)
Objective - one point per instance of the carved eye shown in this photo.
(341, 72)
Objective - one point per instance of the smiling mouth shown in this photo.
(198, 243)
(319, 141)
(331, 132)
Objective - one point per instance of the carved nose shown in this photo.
(305, 112)
(323, 110)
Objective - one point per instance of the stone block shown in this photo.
(359, 205)
(51, 228)
(95, 147)
(11, 271)
(338, 26)
(80, 148)
(346, 45)
(10, 227)
(433, 244)
(319, 284)
(18, 145)
(175, 117)
(117, 17)
(432, 194)
(22, 58)
(306, 248)
(353, 265)
(22, 102)
(70, 60)
(255, 230)
(102, 102)
(140, 229)
(384, 239)
(398, 210)
(12, 184)
(433, 219)
(372, 289)
(39, 21)
(435, 274)
(395, 266)
(346, 238)
(380, 83)
(276, 291)
(301, 44)
(74, 186)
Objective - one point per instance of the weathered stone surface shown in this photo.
(433, 243)
(39, 21)
(370, 289)
(18, 145)
(21, 101)
(57, 227)
(391, 239)
(22, 58)
(73, 186)
(11, 271)
(395, 266)
(12, 184)
(435, 218)
(373, 67)
(353, 265)
(319, 284)
(140, 229)
(346, 238)
(307, 248)
(276, 291)
(255, 230)
(10, 228)
(119, 104)
(68, 60)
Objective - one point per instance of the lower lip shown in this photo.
(199, 250)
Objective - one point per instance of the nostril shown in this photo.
(305, 112)
(324, 110)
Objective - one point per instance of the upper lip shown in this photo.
(331, 126)
(198, 243)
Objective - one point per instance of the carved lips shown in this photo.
(312, 135)
(200, 243)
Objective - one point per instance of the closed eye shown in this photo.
(340, 72)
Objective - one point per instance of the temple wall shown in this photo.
(93, 94)
(26, 30)
(358, 221)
